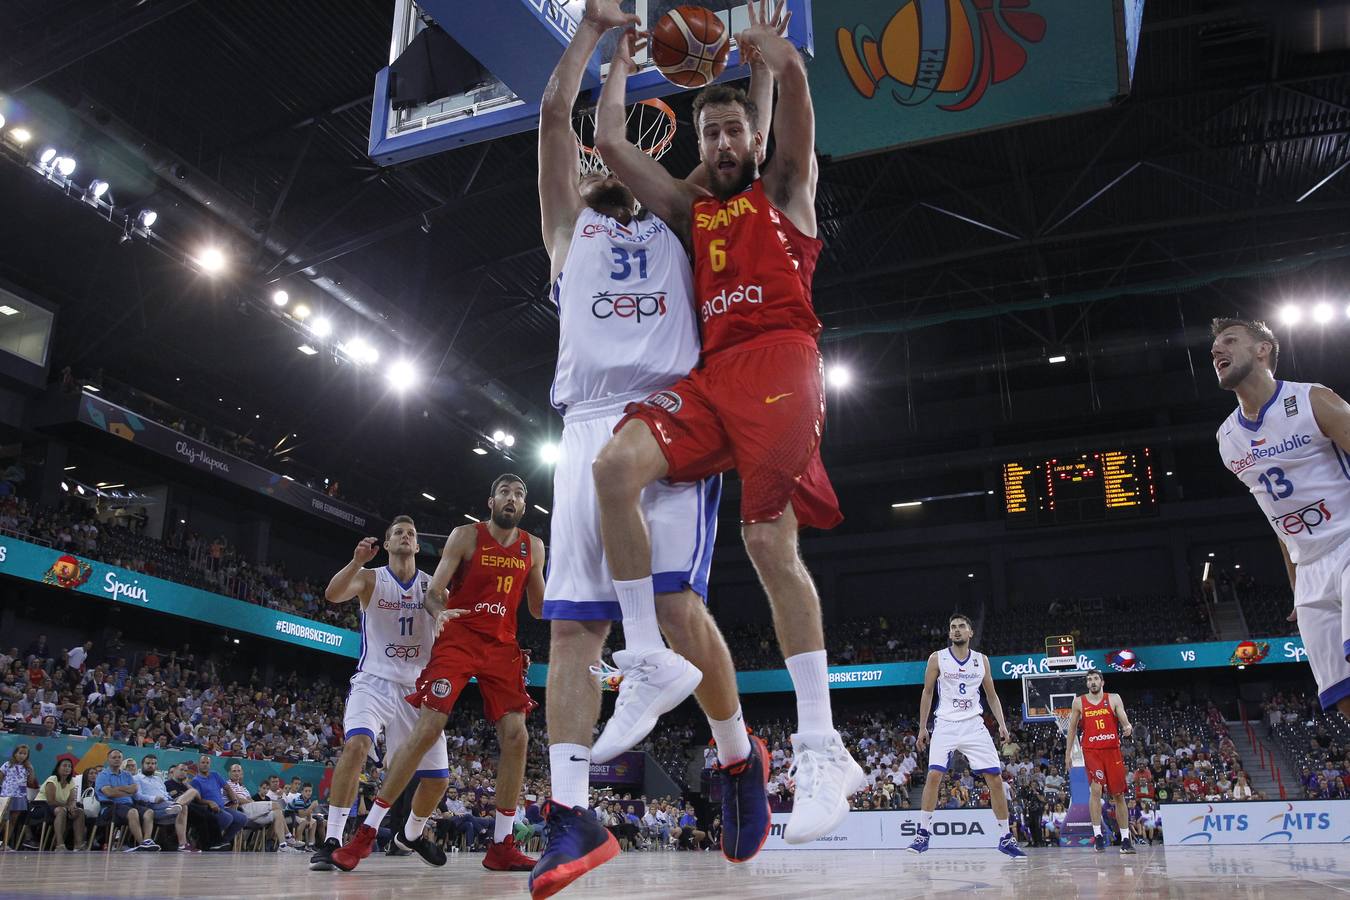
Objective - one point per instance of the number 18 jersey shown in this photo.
(490, 586)
(958, 685)
(1298, 475)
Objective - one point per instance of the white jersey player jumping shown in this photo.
(398, 627)
(623, 286)
(1289, 443)
(958, 673)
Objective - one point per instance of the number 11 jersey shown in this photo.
(1299, 477)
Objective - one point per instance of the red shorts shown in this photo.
(1105, 766)
(760, 409)
(499, 667)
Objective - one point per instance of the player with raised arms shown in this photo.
(1289, 443)
(1104, 724)
(486, 566)
(624, 291)
(397, 631)
(756, 402)
(958, 673)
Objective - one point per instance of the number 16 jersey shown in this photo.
(1298, 475)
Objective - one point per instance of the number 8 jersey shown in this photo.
(958, 685)
(1298, 475)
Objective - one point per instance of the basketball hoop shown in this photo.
(1062, 723)
(651, 126)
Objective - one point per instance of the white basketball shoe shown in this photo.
(654, 682)
(825, 776)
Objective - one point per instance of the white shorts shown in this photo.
(681, 518)
(1321, 589)
(968, 736)
(374, 703)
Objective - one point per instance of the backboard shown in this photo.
(1046, 692)
(518, 42)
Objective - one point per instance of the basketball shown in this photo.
(689, 45)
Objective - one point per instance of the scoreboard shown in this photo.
(1090, 487)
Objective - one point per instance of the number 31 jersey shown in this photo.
(958, 685)
(1298, 475)
(625, 310)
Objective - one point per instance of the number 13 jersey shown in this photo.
(1299, 477)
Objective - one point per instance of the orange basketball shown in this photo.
(689, 45)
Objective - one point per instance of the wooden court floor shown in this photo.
(1232, 873)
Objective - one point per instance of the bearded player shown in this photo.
(958, 673)
(624, 291)
(487, 566)
(397, 631)
(1289, 443)
(756, 402)
(1104, 724)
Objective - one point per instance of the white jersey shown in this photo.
(625, 310)
(1299, 477)
(958, 685)
(396, 633)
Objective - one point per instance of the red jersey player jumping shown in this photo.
(487, 567)
(756, 402)
(1104, 723)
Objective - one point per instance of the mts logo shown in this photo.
(1225, 822)
(1308, 821)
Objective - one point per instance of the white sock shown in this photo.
(1096, 831)
(733, 744)
(638, 602)
(571, 777)
(811, 681)
(1003, 827)
(413, 828)
(378, 810)
(926, 821)
(505, 821)
(337, 821)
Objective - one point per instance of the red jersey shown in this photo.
(1100, 729)
(490, 585)
(752, 270)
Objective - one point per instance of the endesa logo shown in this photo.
(1259, 452)
(723, 302)
(494, 609)
(629, 306)
(1303, 520)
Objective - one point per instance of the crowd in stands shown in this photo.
(1100, 622)
(1265, 607)
(1316, 745)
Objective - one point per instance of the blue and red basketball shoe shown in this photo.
(577, 843)
(745, 803)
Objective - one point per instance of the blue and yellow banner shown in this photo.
(895, 72)
(20, 559)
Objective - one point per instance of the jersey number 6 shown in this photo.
(717, 254)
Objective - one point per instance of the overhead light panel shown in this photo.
(7, 310)
(541, 509)
(472, 518)
(480, 450)
(1057, 359)
(428, 496)
(907, 504)
(307, 349)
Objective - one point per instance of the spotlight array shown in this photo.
(1321, 312)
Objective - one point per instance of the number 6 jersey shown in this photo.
(1298, 475)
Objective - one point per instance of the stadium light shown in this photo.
(401, 375)
(472, 518)
(211, 260)
(1057, 359)
(280, 298)
(838, 376)
(428, 496)
(321, 327)
(46, 157)
(301, 311)
(541, 509)
(907, 504)
(307, 349)
(549, 453)
(479, 450)
(1322, 313)
(1291, 314)
(20, 136)
(498, 436)
(97, 188)
(65, 165)
(65, 487)
(147, 219)
(510, 440)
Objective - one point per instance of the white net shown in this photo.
(651, 126)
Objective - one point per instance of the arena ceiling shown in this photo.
(952, 270)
